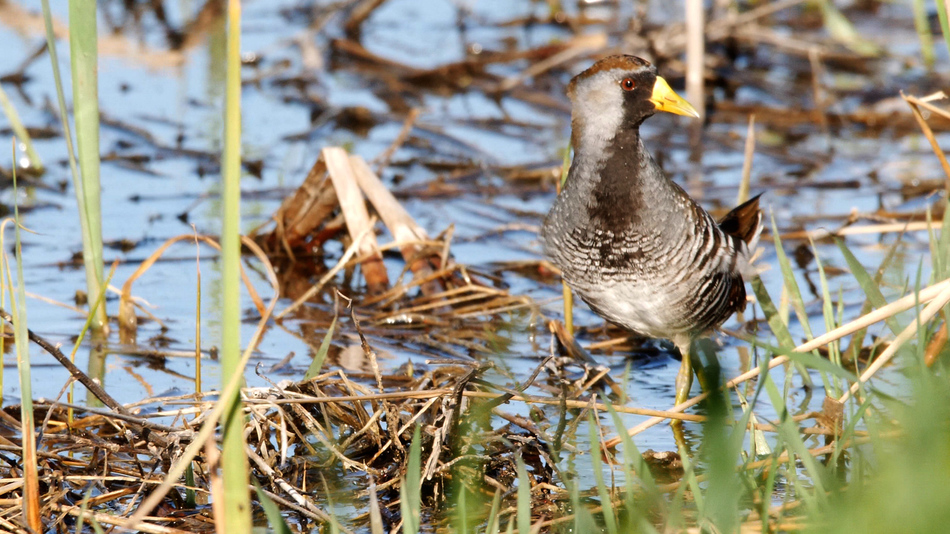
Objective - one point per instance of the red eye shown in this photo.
(628, 84)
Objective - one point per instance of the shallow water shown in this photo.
(812, 177)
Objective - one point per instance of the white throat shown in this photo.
(599, 101)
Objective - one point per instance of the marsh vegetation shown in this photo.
(402, 358)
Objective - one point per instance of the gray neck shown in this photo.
(622, 187)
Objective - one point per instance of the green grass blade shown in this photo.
(334, 523)
(494, 522)
(788, 277)
(609, 518)
(633, 461)
(19, 132)
(583, 520)
(96, 527)
(827, 309)
(868, 285)
(190, 496)
(944, 242)
(274, 517)
(938, 261)
(85, 329)
(524, 499)
(788, 431)
(410, 492)
(31, 491)
(922, 25)
(841, 30)
(689, 473)
(778, 327)
(944, 23)
(321, 355)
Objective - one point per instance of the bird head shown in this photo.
(618, 92)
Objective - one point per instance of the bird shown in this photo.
(626, 238)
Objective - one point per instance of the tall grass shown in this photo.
(84, 62)
(237, 504)
(83, 43)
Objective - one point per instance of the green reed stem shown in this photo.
(237, 505)
(84, 60)
(31, 489)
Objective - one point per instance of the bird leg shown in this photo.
(684, 378)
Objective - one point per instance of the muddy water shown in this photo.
(163, 133)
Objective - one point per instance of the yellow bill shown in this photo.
(665, 99)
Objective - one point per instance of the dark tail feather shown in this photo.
(744, 221)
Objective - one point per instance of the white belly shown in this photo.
(650, 311)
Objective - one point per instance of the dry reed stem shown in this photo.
(936, 345)
(406, 232)
(304, 210)
(382, 160)
(607, 343)
(928, 313)
(194, 229)
(822, 233)
(215, 481)
(695, 53)
(359, 13)
(441, 392)
(74, 371)
(404, 427)
(289, 489)
(905, 303)
(817, 72)
(110, 519)
(517, 304)
(53, 302)
(915, 104)
(474, 295)
(357, 218)
(747, 156)
(925, 102)
(399, 290)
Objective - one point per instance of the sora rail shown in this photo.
(628, 240)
